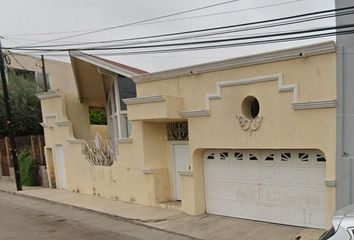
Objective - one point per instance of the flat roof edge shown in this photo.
(266, 57)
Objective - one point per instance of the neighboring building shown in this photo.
(30, 67)
(345, 111)
(250, 137)
(60, 76)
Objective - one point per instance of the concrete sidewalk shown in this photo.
(203, 227)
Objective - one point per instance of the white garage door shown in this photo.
(281, 186)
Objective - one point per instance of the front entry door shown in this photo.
(60, 168)
(180, 163)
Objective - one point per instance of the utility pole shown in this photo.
(44, 74)
(9, 122)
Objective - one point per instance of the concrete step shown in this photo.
(172, 205)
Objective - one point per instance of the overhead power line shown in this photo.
(318, 15)
(138, 22)
(251, 43)
(238, 30)
(32, 40)
(156, 22)
(225, 42)
(224, 12)
(48, 33)
(221, 46)
(307, 31)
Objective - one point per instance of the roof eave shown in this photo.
(102, 64)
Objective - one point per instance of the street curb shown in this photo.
(130, 220)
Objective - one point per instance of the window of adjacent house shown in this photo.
(27, 74)
(118, 123)
(32, 76)
(40, 80)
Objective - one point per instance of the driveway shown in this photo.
(207, 226)
(211, 227)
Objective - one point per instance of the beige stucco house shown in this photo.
(250, 137)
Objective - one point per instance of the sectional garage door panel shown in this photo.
(280, 186)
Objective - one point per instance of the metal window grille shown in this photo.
(177, 131)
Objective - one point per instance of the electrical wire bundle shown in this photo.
(202, 39)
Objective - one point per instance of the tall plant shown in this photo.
(28, 168)
(25, 105)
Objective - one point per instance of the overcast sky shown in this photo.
(24, 21)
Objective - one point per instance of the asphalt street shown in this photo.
(26, 218)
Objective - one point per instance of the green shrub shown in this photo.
(28, 168)
(25, 106)
(98, 117)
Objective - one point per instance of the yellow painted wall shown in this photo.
(142, 171)
(308, 72)
(101, 129)
(282, 126)
(167, 109)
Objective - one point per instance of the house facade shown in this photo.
(251, 137)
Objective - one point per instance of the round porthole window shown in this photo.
(250, 107)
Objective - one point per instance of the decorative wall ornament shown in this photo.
(269, 157)
(224, 155)
(297, 104)
(320, 157)
(286, 156)
(239, 156)
(312, 157)
(177, 131)
(304, 157)
(250, 125)
(99, 152)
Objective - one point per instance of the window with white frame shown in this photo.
(118, 123)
